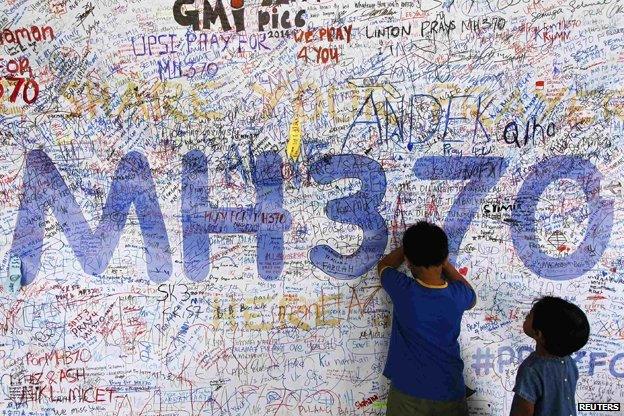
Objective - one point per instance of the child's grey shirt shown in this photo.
(548, 383)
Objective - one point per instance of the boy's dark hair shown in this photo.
(563, 324)
(425, 244)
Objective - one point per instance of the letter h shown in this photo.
(267, 219)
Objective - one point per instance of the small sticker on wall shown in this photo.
(13, 283)
(293, 147)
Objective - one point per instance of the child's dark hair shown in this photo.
(563, 324)
(425, 244)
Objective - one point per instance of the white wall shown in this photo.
(425, 96)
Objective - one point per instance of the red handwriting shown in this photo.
(366, 402)
(329, 34)
(69, 375)
(63, 357)
(322, 54)
(29, 89)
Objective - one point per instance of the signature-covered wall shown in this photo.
(194, 195)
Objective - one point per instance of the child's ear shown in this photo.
(539, 337)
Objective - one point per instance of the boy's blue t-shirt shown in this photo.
(423, 357)
(548, 383)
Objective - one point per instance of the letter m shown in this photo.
(44, 188)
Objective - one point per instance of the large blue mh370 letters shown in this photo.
(132, 184)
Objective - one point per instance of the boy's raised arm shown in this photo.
(451, 273)
(393, 259)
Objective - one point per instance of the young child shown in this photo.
(546, 380)
(424, 364)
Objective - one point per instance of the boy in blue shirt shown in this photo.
(424, 363)
(546, 379)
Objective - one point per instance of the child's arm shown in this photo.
(521, 407)
(393, 259)
(451, 273)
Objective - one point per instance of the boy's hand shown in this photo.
(450, 272)
(393, 259)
